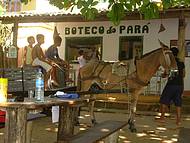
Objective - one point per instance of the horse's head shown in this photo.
(168, 60)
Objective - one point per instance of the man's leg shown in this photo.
(178, 115)
(162, 111)
(53, 76)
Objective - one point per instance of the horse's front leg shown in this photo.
(91, 109)
(132, 111)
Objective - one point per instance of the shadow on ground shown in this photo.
(148, 131)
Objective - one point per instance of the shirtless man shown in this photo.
(53, 55)
(28, 51)
(39, 58)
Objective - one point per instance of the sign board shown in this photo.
(12, 52)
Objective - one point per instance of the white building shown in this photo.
(129, 39)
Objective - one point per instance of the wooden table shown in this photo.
(16, 117)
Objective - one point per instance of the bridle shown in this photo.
(167, 57)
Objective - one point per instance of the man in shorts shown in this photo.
(173, 90)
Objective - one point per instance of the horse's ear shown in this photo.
(162, 44)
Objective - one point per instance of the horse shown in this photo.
(100, 74)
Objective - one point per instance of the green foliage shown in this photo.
(167, 4)
(149, 10)
(57, 3)
(25, 1)
(117, 9)
(1, 9)
(5, 32)
(116, 13)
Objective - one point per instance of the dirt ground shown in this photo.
(148, 130)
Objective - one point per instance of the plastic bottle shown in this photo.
(39, 89)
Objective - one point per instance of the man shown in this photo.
(94, 55)
(40, 59)
(81, 59)
(52, 51)
(173, 90)
(53, 55)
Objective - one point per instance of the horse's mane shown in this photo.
(150, 52)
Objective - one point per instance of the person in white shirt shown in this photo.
(81, 59)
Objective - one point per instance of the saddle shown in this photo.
(123, 68)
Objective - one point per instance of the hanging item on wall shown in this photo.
(12, 52)
(162, 28)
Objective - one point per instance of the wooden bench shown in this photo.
(20, 80)
(30, 118)
(107, 131)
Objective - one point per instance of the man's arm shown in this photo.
(25, 51)
(41, 56)
(184, 73)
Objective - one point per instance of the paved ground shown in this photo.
(149, 131)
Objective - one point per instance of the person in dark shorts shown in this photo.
(173, 90)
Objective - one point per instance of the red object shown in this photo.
(2, 116)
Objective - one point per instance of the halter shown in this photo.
(167, 57)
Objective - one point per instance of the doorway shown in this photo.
(130, 47)
(74, 44)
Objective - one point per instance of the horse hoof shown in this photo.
(133, 130)
(77, 123)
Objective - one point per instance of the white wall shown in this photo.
(187, 59)
(151, 40)
(111, 41)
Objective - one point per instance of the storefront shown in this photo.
(130, 39)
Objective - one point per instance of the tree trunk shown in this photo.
(181, 37)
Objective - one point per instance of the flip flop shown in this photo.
(178, 124)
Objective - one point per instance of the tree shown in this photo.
(117, 9)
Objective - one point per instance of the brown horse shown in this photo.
(101, 75)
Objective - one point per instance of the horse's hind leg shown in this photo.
(132, 127)
(131, 120)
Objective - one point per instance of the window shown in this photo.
(74, 44)
(130, 47)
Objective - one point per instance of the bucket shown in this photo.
(3, 89)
